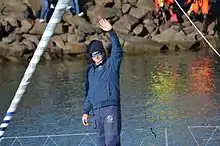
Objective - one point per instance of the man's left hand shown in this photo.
(105, 25)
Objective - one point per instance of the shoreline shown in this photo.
(137, 28)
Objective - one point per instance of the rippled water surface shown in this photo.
(177, 95)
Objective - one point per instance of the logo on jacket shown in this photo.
(109, 119)
(100, 67)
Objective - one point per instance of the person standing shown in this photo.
(44, 10)
(103, 89)
(75, 8)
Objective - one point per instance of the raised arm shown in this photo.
(116, 52)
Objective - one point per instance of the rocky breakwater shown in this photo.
(134, 21)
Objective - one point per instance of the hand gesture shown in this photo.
(105, 25)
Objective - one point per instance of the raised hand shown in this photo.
(105, 25)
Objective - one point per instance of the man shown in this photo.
(196, 6)
(75, 8)
(44, 10)
(160, 9)
(102, 89)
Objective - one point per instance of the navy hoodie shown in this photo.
(102, 85)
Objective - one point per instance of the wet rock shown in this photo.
(126, 24)
(55, 53)
(138, 13)
(170, 35)
(125, 8)
(74, 48)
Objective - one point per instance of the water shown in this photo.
(168, 93)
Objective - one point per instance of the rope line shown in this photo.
(56, 17)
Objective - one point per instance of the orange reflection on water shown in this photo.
(201, 78)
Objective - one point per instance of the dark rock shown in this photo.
(55, 53)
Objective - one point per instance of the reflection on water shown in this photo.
(173, 91)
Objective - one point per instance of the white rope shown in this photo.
(56, 17)
(197, 28)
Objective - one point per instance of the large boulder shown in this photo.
(126, 24)
(39, 28)
(17, 10)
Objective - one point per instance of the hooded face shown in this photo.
(96, 51)
(97, 57)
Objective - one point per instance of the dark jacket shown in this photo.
(102, 86)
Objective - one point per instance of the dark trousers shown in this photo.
(107, 121)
